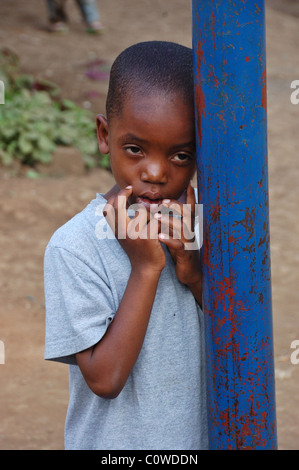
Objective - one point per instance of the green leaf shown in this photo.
(43, 157)
(5, 158)
(7, 132)
(25, 145)
(68, 104)
(32, 174)
(45, 144)
(105, 161)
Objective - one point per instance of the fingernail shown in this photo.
(129, 187)
(166, 201)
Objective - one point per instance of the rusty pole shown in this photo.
(231, 127)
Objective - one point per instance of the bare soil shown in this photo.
(34, 393)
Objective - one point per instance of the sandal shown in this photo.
(58, 27)
(95, 28)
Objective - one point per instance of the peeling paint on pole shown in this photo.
(231, 119)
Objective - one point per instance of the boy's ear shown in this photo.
(102, 133)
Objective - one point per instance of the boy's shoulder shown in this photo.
(79, 231)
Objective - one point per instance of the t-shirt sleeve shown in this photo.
(79, 305)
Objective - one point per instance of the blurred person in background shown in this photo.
(58, 17)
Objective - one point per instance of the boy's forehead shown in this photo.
(166, 119)
(139, 102)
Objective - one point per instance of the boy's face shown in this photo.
(152, 146)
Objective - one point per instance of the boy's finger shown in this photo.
(115, 212)
(177, 227)
(172, 243)
(174, 223)
(122, 218)
(190, 197)
(137, 224)
(109, 214)
(176, 209)
(122, 197)
(109, 207)
(171, 205)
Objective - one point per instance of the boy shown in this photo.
(124, 311)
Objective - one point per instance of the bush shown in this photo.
(35, 119)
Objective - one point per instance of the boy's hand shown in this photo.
(176, 233)
(138, 239)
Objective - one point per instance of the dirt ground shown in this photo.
(34, 393)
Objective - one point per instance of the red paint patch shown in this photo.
(199, 94)
(264, 90)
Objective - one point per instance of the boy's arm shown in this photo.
(107, 365)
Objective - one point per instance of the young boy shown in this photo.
(124, 310)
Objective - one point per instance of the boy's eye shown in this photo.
(133, 149)
(182, 157)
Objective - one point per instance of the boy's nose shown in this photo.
(154, 172)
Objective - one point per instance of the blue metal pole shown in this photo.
(231, 131)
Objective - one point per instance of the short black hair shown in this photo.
(145, 66)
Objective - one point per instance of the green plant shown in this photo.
(34, 120)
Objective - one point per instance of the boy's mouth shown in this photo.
(148, 200)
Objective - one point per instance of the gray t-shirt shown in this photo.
(163, 404)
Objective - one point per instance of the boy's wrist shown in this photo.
(146, 271)
(196, 289)
(194, 285)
